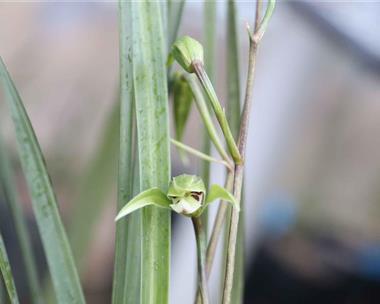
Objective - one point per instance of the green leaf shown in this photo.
(6, 271)
(175, 10)
(150, 197)
(182, 101)
(57, 249)
(7, 181)
(151, 99)
(209, 42)
(127, 269)
(218, 192)
(95, 188)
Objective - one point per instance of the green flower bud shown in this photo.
(187, 193)
(187, 50)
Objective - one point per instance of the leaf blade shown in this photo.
(57, 249)
(151, 97)
(6, 271)
(127, 270)
(218, 192)
(6, 181)
(150, 197)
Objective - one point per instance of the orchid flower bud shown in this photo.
(187, 50)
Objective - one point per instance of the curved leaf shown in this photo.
(54, 239)
(5, 269)
(7, 182)
(150, 197)
(218, 192)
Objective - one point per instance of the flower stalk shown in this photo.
(200, 235)
(254, 39)
(218, 110)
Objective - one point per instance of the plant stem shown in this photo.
(219, 111)
(199, 154)
(206, 117)
(216, 232)
(242, 143)
(200, 235)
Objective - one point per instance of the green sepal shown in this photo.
(187, 50)
(218, 192)
(150, 197)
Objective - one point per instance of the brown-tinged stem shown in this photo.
(242, 143)
(200, 235)
(216, 232)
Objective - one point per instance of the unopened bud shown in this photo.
(186, 51)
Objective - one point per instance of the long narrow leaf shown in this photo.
(209, 27)
(151, 97)
(175, 10)
(6, 272)
(57, 249)
(7, 182)
(126, 280)
(94, 189)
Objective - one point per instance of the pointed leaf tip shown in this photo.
(150, 197)
(218, 192)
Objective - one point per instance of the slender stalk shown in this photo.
(219, 111)
(10, 193)
(233, 116)
(151, 99)
(199, 154)
(206, 117)
(200, 235)
(218, 227)
(242, 143)
(216, 232)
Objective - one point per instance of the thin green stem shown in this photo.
(219, 111)
(242, 143)
(206, 117)
(199, 154)
(200, 236)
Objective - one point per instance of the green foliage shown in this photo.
(58, 253)
(182, 101)
(151, 98)
(7, 183)
(126, 279)
(6, 272)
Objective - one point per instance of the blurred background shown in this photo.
(313, 168)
